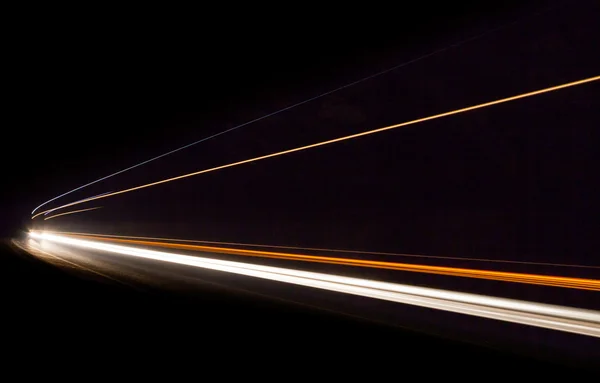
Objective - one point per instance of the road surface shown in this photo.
(276, 309)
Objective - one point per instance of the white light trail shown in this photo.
(80, 201)
(340, 139)
(568, 319)
(329, 250)
(406, 63)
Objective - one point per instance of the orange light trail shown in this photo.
(545, 280)
(72, 212)
(326, 250)
(339, 139)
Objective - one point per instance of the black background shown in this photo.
(93, 95)
(93, 91)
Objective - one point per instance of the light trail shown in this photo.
(81, 200)
(72, 212)
(325, 250)
(345, 138)
(536, 279)
(562, 318)
(459, 43)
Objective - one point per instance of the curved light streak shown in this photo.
(461, 42)
(345, 138)
(81, 200)
(72, 212)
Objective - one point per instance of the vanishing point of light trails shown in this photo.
(345, 138)
(535, 279)
(562, 318)
(406, 63)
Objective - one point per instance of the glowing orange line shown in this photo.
(72, 212)
(330, 250)
(546, 280)
(322, 143)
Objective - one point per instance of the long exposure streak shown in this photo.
(545, 280)
(345, 138)
(81, 200)
(438, 51)
(561, 318)
(323, 249)
(72, 212)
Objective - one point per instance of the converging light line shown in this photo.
(536, 279)
(459, 43)
(72, 212)
(562, 318)
(326, 250)
(345, 138)
(81, 200)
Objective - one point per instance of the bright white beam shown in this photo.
(562, 318)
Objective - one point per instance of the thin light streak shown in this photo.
(345, 138)
(562, 318)
(328, 250)
(536, 279)
(81, 200)
(72, 212)
(406, 63)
